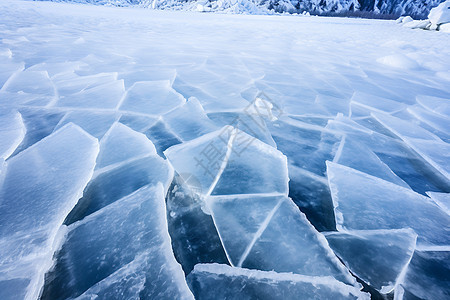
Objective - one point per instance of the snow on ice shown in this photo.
(176, 155)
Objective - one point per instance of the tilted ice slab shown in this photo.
(437, 105)
(434, 120)
(360, 157)
(12, 132)
(41, 185)
(436, 153)
(400, 158)
(123, 249)
(121, 143)
(361, 103)
(306, 146)
(216, 159)
(430, 147)
(122, 178)
(427, 276)
(441, 199)
(378, 257)
(94, 123)
(270, 233)
(253, 125)
(404, 129)
(238, 283)
(151, 97)
(364, 202)
(189, 121)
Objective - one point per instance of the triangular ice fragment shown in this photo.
(378, 257)
(289, 243)
(238, 219)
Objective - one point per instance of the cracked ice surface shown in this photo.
(263, 102)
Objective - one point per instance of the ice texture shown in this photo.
(126, 238)
(364, 202)
(41, 185)
(238, 283)
(378, 257)
(12, 132)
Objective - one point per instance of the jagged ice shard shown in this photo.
(238, 283)
(123, 249)
(379, 257)
(40, 187)
(364, 202)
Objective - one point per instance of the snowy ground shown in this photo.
(346, 119)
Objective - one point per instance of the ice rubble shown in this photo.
(260, 193)
(378, 257)
(386, 130)
(364, 202)
(438, 19)
(128, 237)
(238, 283)
(41, 185)
(441, 199)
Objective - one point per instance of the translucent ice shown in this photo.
(123, 248)
(364, 202)
(266, 233)
(441, 199)
(112, 183)
(404, 129)
(436, 153)
(12, 132)
(426, 277)
(41, 185)
(437, 105)
(238, 283)
(378, 257)
(189, 121)
(95, 123)
(218, 158)
(121, 143)
(151, 97)
(360, 157)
